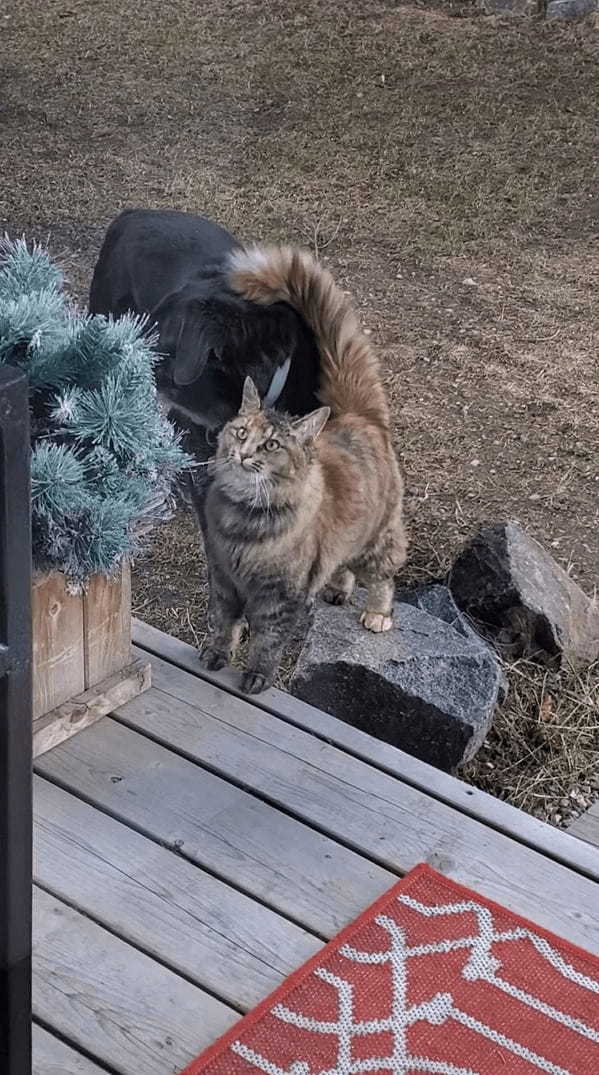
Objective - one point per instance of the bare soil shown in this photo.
(445, 165)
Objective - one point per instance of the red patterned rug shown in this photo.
(432, 978)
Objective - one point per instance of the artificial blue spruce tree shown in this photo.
(103, 455)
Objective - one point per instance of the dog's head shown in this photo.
(212, 340)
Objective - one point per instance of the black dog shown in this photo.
(172, 266)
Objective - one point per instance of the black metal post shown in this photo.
(15, 726)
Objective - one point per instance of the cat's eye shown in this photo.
(241, 433)
(272, 445)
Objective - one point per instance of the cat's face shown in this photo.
(263, 448)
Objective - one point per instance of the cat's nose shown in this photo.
(247, 462)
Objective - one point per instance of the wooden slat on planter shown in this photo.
(77, 713)
(58, 652)
(107, 626)
(82, 661)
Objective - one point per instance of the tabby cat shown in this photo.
(297, 506)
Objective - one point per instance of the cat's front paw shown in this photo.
(255, 683)
(334, 596)
(213, 659)
(376, 621)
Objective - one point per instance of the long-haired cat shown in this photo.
(302, 505)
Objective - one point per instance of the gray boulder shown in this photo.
(513, 7)
(509, 583)
(569, 9)
(429, 686)
(552, 9)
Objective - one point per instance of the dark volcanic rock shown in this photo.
(430, 686)
(508, 582)
(569, 9)
(513, 7)
(553, 9)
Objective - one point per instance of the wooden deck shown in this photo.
(193, 849)
(586, 827)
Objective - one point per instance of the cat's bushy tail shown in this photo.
(350, 381)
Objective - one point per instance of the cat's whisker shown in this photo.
(221, 462)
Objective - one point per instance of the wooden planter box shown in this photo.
(83, 666)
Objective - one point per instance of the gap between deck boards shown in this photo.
(114, 1002)
(191, 794)
(55, 1055)
(556, 844)
(199, 927)
(376, 816)
(254, 848)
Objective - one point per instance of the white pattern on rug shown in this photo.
(481, 965)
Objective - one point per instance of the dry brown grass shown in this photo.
(543, 751)
(445, 167)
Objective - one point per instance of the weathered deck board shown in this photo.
(380, 817)
(586, 827)
(53, 1057)
(219, 939)
(114, 1001)
(377, 815)
(553, 842)
(196, 847)
(274, 858)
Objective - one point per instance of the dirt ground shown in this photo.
(445, 165)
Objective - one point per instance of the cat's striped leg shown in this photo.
(273, 616)
(224, 622)
(340, 588)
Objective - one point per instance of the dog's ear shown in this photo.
(250, 400)
(191, 352)
(183, 337)
(312, 425)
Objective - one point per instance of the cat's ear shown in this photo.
(308, 428)
(250, 400)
